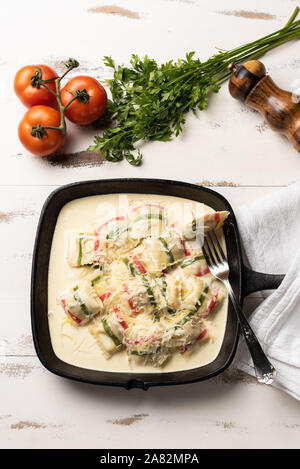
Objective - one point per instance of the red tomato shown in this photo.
(84, 112)
(46, 144)
(28, 94)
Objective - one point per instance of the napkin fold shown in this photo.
(270, 234)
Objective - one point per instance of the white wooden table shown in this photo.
(227, 147)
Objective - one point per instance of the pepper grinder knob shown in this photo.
(250, 84)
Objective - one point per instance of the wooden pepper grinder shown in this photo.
(250, 84)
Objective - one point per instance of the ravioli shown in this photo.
(158, 253)
(143, 283)
(199, 226)
(81, 250)
(147, 220)
(81, 303)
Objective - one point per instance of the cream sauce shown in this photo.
(75, 345)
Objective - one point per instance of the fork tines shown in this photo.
(212, 249)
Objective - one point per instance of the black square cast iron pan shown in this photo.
(243, 280)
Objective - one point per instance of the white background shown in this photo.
(227, 147)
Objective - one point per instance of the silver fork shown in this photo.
(219, 268)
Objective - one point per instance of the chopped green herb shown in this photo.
(141, 353)
(96, 280)
(130, 266)
(79, 259)
(166, 249)
(117, 232)
(110, 333)
(80, 303)
(194, 226)
(195, 310)
(164, 286)
(191, 261)
(201, 299)
(149, 216)
(149, 290)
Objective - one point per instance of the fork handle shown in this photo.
(264, 370)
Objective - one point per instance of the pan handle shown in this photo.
(256, 281)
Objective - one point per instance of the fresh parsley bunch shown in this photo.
(149, 101)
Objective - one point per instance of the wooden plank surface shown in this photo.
(227, 148)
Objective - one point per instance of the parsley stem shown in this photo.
(292, 18)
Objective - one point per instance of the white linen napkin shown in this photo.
(270, 233)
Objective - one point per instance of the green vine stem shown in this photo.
(37, 81)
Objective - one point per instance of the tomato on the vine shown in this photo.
(34, 137)
(29, 94)
(89, 108)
